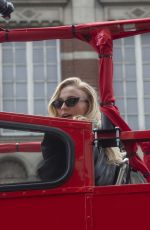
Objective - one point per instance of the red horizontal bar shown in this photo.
(20, 147)
(143, 135)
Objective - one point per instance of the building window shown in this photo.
(132, 79)
(29, 74)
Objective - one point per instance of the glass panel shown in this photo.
(117, 55)
(147, 121)
(131, 89)
(146, 71)
(117, 42)
(20, 56)
(146, 54)
(20, 44)
(51, 55)
(145, 39)
(7, 56)
(39, 90)
(132, 106)
(50, 88)
(8, 91)
(118, 71)
(129, 41)
(38, 44)
(21, 106)
(38, 73)
(7, 45)
(24, 162)
(120, 104)
(130, 72)
(20, 166)
(52, 72)
(21, 73)
(42, 70)
(147, 88)
(50, 43)
(21, 90)
(133, 122)
(118, 88)
(38, 56)
(147, 105)
(40, 107)
(8, 106)
(129, 54)
(7, 73)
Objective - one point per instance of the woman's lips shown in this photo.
(66, 116)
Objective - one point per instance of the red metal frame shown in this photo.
(20, 147)
(118, 28)
(80, 133)
(77, 203)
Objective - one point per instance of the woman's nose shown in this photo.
(63, 106)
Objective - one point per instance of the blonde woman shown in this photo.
(76, 99)
(80, 101)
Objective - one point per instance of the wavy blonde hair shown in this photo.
(93, 114)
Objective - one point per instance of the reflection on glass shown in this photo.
(20, 157)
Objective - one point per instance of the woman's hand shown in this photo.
(80, 117)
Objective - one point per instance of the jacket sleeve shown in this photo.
(54, 158)
(105, 173)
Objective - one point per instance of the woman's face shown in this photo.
(80, 108)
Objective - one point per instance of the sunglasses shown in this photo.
(70, 102)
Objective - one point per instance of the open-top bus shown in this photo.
(71, 200)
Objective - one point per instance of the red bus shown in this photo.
(71, 200)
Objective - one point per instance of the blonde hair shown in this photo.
(115, 156)
(93, 114)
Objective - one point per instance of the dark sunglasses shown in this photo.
(70, 102)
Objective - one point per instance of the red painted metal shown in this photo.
(20, 147)
(121, 207)
(66, 207)
(118, 28)
(80, 133)
(76, 204)
(143, 135)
